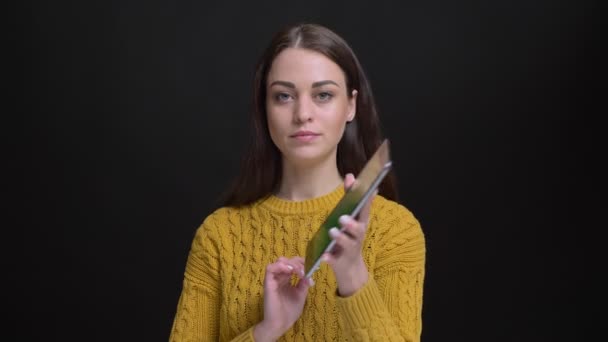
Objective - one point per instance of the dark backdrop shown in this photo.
(135, 116)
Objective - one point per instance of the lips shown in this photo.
(304, 134)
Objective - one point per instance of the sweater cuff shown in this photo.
(246, 336)
(357, 310)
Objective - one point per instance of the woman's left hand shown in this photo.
(346, 258)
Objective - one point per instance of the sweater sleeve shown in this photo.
(198, 308)
(389, 306)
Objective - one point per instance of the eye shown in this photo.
(324, 96)
(282, 97)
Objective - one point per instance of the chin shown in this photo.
(305, 155)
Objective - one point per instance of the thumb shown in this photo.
(328, 258)
(304, 284)
(349, 179)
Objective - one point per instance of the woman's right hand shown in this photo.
(283, 302)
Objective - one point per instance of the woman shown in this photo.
(314, 126)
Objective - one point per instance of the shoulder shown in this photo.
(399, 233)
(220, 216)
(216, 224)
(390, 219)
(214, 234)
(389, 211)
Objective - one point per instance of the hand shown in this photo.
(283, 302)
(346, 258)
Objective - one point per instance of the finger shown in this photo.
(342, 240)
(349, 179)
(291, 265)
(279, 268)
(351, 227)
(298, 264)
(298, 259)
(328, 258)
(304, 284)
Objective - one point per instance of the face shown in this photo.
(307, 105)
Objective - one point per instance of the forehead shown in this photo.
(304, 67)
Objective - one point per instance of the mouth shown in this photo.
(303, 134)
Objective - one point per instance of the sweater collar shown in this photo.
(321, 203)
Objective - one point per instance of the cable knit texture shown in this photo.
(222, 295)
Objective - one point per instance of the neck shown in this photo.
(302, 182)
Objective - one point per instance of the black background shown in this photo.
(135, 116)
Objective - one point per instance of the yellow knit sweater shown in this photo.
(222, 294)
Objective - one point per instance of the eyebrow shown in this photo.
(314, 85)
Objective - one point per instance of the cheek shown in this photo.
(274, 115)
(272, 123)
(336, 116)
(276, 123)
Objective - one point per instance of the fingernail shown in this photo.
(311, 282)
(334, 232)
(344, 219)
(290, 267)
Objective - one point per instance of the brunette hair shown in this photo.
(261, 168)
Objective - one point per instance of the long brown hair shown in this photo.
(261, 168)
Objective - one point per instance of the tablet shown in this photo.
(366, 182)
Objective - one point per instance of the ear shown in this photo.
(352, 106)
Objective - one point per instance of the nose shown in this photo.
(303, 111)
